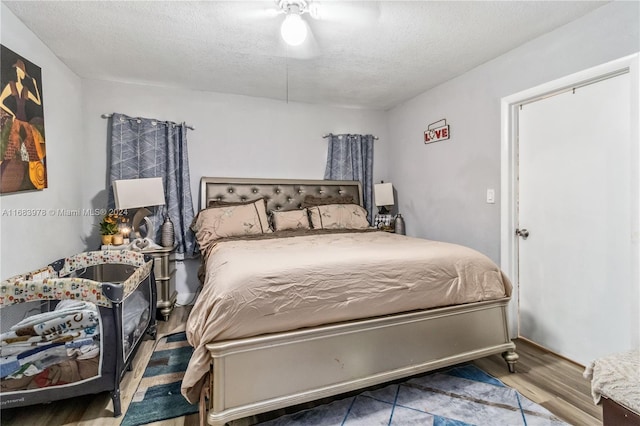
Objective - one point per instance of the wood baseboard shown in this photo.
(545, 349)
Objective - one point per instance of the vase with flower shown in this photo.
(109, 228)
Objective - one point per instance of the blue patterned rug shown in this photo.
(158, 395)
(459, 396)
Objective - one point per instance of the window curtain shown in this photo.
(146, 148)
(350, 157)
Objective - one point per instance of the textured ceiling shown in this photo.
(366, 54)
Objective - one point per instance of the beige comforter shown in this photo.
(263, 286)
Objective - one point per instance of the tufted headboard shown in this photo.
(281, 194)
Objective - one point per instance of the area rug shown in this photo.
(158, 395)
(459, 396)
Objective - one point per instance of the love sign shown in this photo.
(438, 131)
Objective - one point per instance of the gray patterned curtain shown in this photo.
(350, 157)
(146, 148)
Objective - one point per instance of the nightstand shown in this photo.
(386, 229)
(164, 269)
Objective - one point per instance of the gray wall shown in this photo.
(442, 186)
(234, 135)
(27, 243)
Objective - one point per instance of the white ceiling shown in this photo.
(366, 54)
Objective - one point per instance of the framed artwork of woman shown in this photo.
(23, 162)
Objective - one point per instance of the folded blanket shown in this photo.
(41, 341)
(71, 320)
(41, 357)
(616, 377)
(8, 346)
(65, 372)
(8, 365)
(56, 313)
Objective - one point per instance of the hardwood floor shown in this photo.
(547, 379)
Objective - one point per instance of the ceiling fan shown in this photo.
(294, 28)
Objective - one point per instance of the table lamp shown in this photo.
(139, 194)
(383, 194)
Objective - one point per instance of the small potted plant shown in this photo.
(109, 228)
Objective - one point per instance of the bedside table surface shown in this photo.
(159, 250)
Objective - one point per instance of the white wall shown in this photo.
(237, 136)
(442, 186)
(27, 243)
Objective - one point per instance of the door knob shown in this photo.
(522, 233)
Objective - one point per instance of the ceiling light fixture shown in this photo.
(293, 29)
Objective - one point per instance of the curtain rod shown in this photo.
(111, 115)
(331, 134)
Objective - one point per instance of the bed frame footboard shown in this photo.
(259, 374)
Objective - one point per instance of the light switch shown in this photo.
(491, 196)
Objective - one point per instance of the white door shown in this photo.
(575, 200)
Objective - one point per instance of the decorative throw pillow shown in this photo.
(292, 219)
(214, 223)
(312, 200)
(338, 216)
(260, 205)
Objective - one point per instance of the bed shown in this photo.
(332, 309)
(84, 318)
(615, 383)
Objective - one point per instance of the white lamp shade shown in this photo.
(383, 194)
(134, 193)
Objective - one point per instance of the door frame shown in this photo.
(509, 164)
